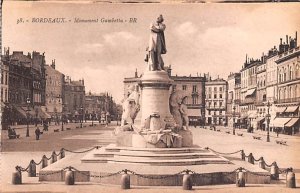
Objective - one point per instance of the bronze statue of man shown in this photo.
(157, 45)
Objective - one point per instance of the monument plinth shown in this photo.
(155, 93)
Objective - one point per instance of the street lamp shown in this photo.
(27, 114)
(81, 110)
(233, 118)
(93, 118)
(268, 122)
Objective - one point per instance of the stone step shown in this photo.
(112, 148)
(149, 156)
(177, 162)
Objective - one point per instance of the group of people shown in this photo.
(12, 133)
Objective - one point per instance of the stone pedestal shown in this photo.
(187, 138)
(155, 94)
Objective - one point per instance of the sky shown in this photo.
(200, 38)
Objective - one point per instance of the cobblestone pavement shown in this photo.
(21, 151)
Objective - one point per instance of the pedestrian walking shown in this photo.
(37, 133)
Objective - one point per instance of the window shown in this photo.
(215, 96)
(194, 88)
(215, 89)
(209, 112)
(221, 104)
(1, 94)
(2, 77)
(209, 96)
(174, 87)
(220, 96)
(183, 87)
(195, 100)
(220, 89)
(209, 89)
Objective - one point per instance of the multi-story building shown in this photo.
(54, 90)
(233, 99)
(4, 65)
(20, 87)
(98, 104)
(261, 94)
(215, 101)
(194, 89)
(271, 84)
(192, 86)
(74, 98)
(25, 85)
(288, 101)
(38, 78)
(5, 118)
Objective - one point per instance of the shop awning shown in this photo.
(21, 112)
(280, 109)
(244, 117)
(292, 122)
(280, 122)
(252, 115)
(250, 92)
(291, 109)
(259, 119)
(43, 114)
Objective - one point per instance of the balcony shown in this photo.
(237, 101)
(215, 108)
(289, 100)
(195, 93)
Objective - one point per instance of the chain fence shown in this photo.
(207, 148)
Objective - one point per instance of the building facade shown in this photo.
(233, 99)
(24, 86)
(100, 104)
(288, 101)
(271, 84)
(249, 92)
(54, 90)
(74, 98)
(215, 101)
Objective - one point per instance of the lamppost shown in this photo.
(62, 117)
(27, 114)
(81, 111)
(233, 118)
(268, 122)
(93, 118)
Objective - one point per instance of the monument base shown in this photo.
(159, 165)
(132, 139)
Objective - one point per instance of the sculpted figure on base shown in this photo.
(178, 109)
(131, 106)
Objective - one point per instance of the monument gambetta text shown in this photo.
(164, 121)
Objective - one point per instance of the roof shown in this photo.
(19, 56)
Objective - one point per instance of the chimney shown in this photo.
(280, 41)
(53, 64)
(287, 39)
(136, 73)
(169, 70)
